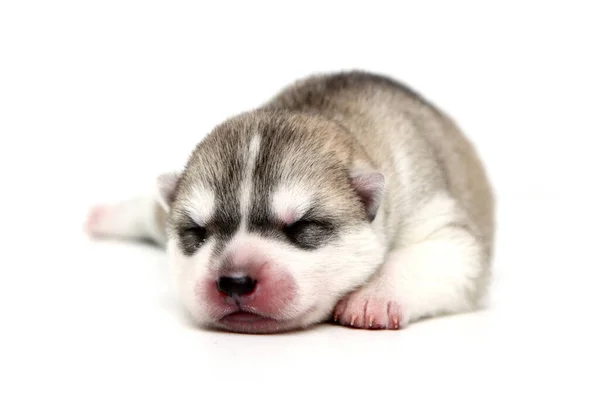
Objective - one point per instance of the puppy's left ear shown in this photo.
(166, 184)
(369, 185)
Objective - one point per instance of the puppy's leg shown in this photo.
(140, 218)
(444, 272)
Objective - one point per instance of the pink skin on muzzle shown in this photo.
(261, 311)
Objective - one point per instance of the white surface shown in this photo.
(95, 99)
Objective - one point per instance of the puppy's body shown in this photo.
(346, 195)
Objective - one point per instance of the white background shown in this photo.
(96, 98)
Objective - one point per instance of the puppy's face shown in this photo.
(270, 223)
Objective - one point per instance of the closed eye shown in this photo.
(192, 237)
(309, 234)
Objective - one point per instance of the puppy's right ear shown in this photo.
(369, 185)
(166, 185)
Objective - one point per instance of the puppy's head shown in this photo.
(270, 223)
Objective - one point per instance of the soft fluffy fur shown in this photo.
(404, 207)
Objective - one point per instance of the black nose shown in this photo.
(236, 286)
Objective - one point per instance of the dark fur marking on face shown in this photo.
(278, 136)
(191, 237)
(310, 235)
(294, 148)
(307, 234)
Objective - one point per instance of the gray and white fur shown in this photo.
(347, 196)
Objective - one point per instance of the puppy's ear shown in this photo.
(369, 185)
(166, 184)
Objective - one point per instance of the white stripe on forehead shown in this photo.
(291, 202)
(200, 205)
(246, 185)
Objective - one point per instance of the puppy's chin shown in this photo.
(253, 316)
(252, 323)
(243, 322)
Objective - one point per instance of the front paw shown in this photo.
(366, 310)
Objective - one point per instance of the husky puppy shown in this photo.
(346, 196)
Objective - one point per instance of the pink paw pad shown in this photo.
(93, 223)
(368, 312)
